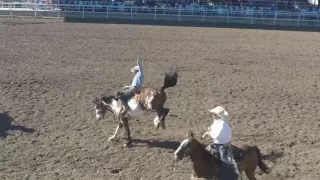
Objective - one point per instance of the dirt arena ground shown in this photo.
(51, 71)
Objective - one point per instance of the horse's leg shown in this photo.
(250, 174)
(156, 120)
(116, 132)
(126, 126)
(165, 112)
(161, 117)
(250, 164)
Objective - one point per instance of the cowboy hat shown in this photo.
(219, 111)
(135, 68)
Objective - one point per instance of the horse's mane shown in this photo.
(108, 99)
(205, 154)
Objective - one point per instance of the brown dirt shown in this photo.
(51, 71)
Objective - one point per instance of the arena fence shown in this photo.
(218, 15)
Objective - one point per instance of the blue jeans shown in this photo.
(228, 169)
(126, 94)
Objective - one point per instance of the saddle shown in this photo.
(238, 154)
(121, 95)
(124, 97)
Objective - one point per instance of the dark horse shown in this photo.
(206, 166)
(149, 99)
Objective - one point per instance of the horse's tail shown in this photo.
(170, 80)
(261, 164)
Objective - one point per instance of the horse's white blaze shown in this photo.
(156, 121)
(104, 103)
(149, 105)
(183, 143)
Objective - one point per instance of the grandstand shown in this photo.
(208, 4)
(220, 7)
(266, 6)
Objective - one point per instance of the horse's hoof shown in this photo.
(127, 145)
(157, 125)
(163, 125)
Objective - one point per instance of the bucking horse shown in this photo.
(147, 100)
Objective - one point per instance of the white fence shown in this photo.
(220, 14)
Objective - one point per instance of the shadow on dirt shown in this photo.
(12, 23)
(165, 144)
(273, 155)
(6, 125)
(103, 20)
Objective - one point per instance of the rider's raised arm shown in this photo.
(140, 67)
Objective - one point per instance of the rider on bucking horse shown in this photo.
(221, 133)
(129, 91)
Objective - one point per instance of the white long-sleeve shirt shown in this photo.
(220, 132)
(138, 78)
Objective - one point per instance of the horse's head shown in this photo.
(103, 105)
(187, 147)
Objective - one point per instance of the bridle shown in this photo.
(185, 151)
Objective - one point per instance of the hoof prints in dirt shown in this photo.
(269, 88)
